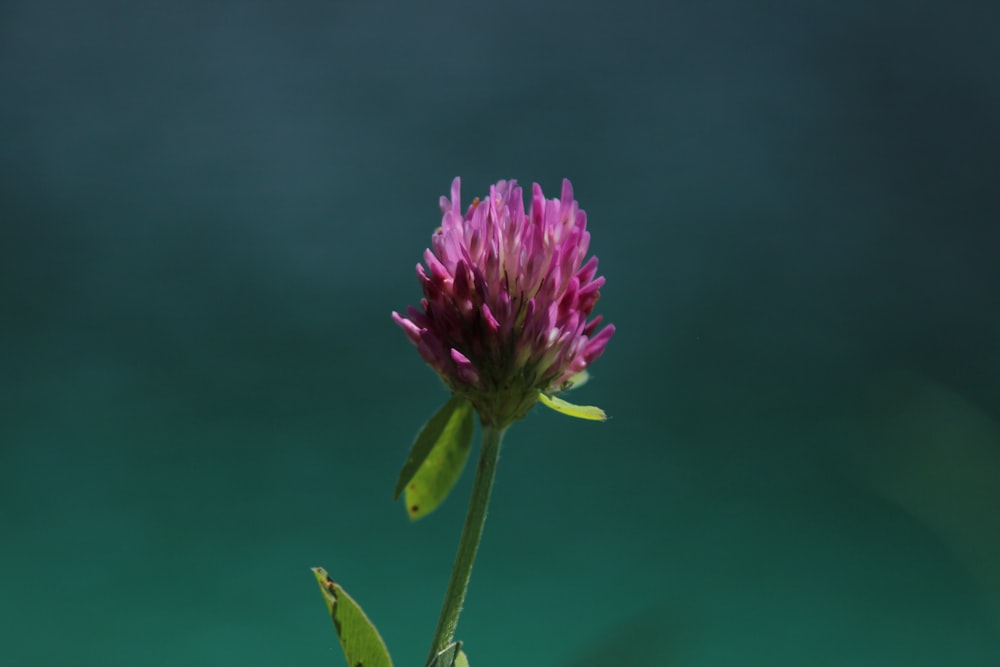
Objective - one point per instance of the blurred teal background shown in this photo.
(208, 210)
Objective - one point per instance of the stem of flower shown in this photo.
(469, 543)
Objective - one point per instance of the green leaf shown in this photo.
(451, 656)
(574, 382)
(437, 458)
(591, 412)
(362, 645)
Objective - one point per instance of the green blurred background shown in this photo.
(208, 210)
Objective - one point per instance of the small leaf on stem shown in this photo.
(451, 656)
(437, 458)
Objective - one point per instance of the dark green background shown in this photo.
(209, 210)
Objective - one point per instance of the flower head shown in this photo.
(507, 296)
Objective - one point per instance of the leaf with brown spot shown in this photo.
(437, 458)
(360, 641)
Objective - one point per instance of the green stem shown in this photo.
(469, 543)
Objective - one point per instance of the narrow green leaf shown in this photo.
(437, 458)
(591, 412)
(359, 639)
(451, 656)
